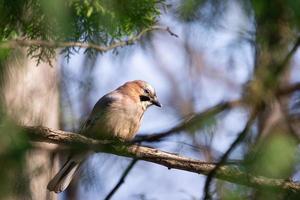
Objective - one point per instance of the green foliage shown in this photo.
(4, 53)
(276, 157)
(188, 9)
(271, 10)
(13, 146)
(209, 13)
(96, 21)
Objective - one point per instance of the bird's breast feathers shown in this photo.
(115, 115)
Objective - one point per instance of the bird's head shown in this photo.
(142, 92)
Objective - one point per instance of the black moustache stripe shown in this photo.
(144, 98)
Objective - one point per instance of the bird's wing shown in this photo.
(99, 111)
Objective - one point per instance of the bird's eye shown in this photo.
(146, 91)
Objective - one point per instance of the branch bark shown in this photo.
(56, 44)
(229, 173)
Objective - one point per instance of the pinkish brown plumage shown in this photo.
(117, 114)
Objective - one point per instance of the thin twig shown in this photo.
(122, 179)
(291, 53)
(287, 120)
(288, 89)
(223, 159)
(189, 122)
(56, 44)
(197, 118)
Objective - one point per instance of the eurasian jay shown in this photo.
(117, 115)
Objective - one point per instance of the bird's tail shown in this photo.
(63, 178)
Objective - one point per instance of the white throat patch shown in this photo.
(145, 104)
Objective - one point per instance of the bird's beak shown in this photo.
(156, 102)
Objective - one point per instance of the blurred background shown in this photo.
(225, 50)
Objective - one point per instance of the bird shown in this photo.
(116, 115)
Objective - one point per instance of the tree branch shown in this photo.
(190, 122)
(56, 44)
(229, 173)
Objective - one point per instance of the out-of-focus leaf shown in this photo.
(276, 157)
(188, 9)
(13, 147)
(4, 53)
